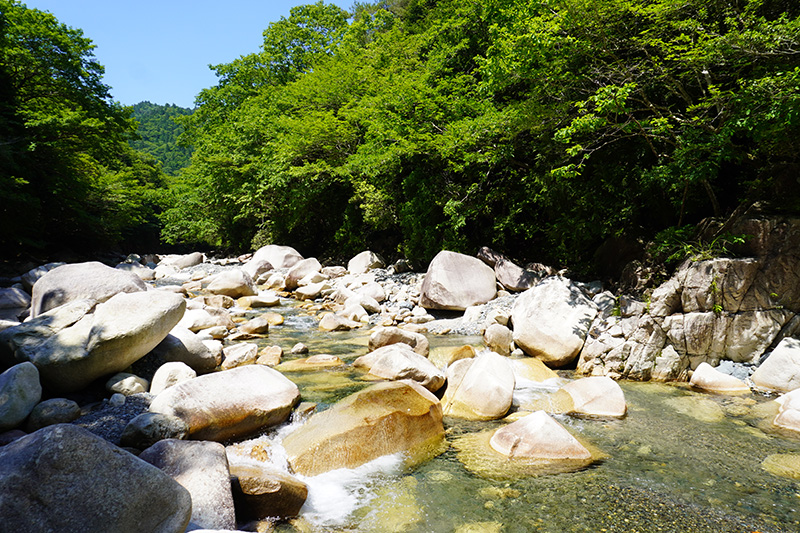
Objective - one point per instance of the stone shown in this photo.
(14, 298)
(198, 319)
(230, 404)
(538, 436)
(597, 396)
(244, 353)
(369, 303)
(312, 291)
(333, 322)
(278, 256)
(399, 361)
(513, 277)
(120, 332)
(456, 281)
(498, 339)
(263, 299)
(217, 300)
(300, 270)
(551, 321)
(63, 478)
(146, 429)
(310, 364)
(52, 411)
(257, 268)
(299, 349)
(479, 389)
(489, 256)
(407, 417)
(144, 273)
(384, 336)
(255, 326)
(788, 416)
(531, 369)
(78, 281)
(780, 371)
(261, 491)
(364, 262)
(234, 283)
(30, 278)
(709, 379)
(127, 384)
(275, 281)
(182, 261)
(202, 469)
(170, 374)
(182, 345)
(20, 391)
(270, 356)
(446, 356)
(372, 290)
(782, 464)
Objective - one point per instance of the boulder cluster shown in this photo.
(161, 367)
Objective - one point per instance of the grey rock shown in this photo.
(52, 411)
(20, 391)
(147, 429)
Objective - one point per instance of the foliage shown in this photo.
(158, 134)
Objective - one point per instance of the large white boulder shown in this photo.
(384, 336)
(300, 270)
(278, 256)
(597, 396)
(551, 321)
(479, 389)
(455, 281)
(781, 370)
(709, 379)
(538, 436)
(364, 262)
(234, 283)
(399, 361)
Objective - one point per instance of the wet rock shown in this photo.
(538, 436)
(385, 336)
(783, 465)
(63, 478)
(52, 411)
(262, 492)
(270, 356)
(709, 379)
(597, 396)
(299, 349)
(531, 369)
(399, 361)
(406, 416)
(147, 429)
(229, 404)
(234, 283)
(444, 357)
(20, 391)
(551, 321)
(456, 281)
(92, 280)
(781, 369)
(310, 364)
(278, 256)
(480, 388)
(788, 416)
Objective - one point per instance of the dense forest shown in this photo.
(158, 134)
(540, 128)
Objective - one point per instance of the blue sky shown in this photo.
(159, 50)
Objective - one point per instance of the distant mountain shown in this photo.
(159, 134)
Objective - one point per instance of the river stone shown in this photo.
(257, 268)
(230, 404)
(551, 321)
(146, 429)
(479, 389)
(788, 416)
(369, 303)
(513, 277)
(244, 353)
(455, 281)
(334, 322)
(270, 356)
(531, 369)
(63, 478)
(781, 369)
(399, 361)
(385, 336)
(77, 281)
(383, 419)
(127, 384)
(144, 273)
(538, 436)
(278, 256)
(708, 378)
(256, 326)
(170, 374)
(262, 299)
(20, 391)
(121, 331)
(372, 290)
(30, 278)
(783, 465)
(14, 298)
(202, 469)
(300, 270)
(311, 364)
(597, 396)
(52, 411)
(445, 356)
(182, 261)
(499, 339)
(261, 491)
(365, 261)
(182, 345)
(198, 319)
(234, 283)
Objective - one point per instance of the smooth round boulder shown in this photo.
(709, 379)
(364, 262)
(170, 374)
(300, 270)
(78, 281)
(551, 321)
(182, 261)
(278, 256)
(147, 429)
(256, 326)
(230, 404)
(258, 267)
(390, 335)
(456, 281)
(202, 469)
(538, 436)
(20, 391)
(234, 283)
(398, 361)
(597, 396)
(498, 339)
(781, 369)
(406, 416)
(52, 411)
(260, 491)
(64, 478)
(479, 389)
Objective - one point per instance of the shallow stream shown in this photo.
(679, 461)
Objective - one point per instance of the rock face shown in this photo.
(202, 469)
(120, 331)
(551, 321)
(456, 281)
(20, 391)
(709, 379)
(277, 256)
(364, 262)
(538, 436)
(63, 478)
(92, 280)
(479, 389)
(234, 283)
(385, 336)
(233, 403)
(781, 370)
(261, 492)
(597, 396)
(398, 361)
(383, 419)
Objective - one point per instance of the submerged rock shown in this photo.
(538, 437)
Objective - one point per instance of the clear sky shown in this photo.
(159, 50)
